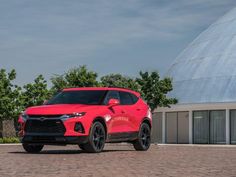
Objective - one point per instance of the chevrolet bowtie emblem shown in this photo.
(42, 118)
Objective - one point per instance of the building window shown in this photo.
(233, 126)
(157, 127)
(177, 127)
(200, 127)
(209, 127)
(217, 127)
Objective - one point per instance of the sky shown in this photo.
(109, 36)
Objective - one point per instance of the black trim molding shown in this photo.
(122, 136)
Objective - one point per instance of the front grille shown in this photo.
(45, 126)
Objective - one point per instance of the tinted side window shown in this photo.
(126, 99)
(111, 95)
(134, 97)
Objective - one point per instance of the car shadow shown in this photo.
(69, 151)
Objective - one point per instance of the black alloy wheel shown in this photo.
(31, 148)
(97, 138)
(144, 138)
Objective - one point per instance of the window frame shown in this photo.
(107, 94)
(128, 93)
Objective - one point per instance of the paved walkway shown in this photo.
(119, 160)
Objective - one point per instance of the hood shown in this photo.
(58, 109)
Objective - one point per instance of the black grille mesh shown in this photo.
(45, 126)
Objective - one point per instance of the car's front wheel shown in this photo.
(97, 138)
(144, 138)
(32, 148)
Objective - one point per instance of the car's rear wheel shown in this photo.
(32, 148)
(97, 138)
(81, 146)
(144, 138)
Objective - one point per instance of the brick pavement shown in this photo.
(119, 160)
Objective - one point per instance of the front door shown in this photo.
(118, 121)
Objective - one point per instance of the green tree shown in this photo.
(10, 104)
(76, 77)
(35, 93)
(117, 80)
(154, 90)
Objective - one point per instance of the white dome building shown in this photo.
(204, 82)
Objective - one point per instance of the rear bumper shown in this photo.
(54, 140)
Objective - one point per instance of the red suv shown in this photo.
(88, 117)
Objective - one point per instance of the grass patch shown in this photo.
(9, 140)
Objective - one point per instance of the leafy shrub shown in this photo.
(9, 140)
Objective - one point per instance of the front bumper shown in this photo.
(54, 140)
(53, 131)
(66, 127)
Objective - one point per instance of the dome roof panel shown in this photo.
(205, 71)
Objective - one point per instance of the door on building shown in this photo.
(177, 127)
(157, 127)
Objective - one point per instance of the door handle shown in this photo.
(138, 109)
(122, 112)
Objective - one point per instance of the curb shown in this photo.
(199, 145)
(127, 144)
(10, 144)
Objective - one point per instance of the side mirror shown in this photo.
(45, 102)
(113, 102)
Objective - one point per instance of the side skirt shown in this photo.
(122, 137)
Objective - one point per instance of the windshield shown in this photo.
(87, 97)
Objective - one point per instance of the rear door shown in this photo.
(130, 111)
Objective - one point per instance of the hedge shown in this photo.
(9, 140)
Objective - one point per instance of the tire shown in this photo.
(32, 148)
(81, 146)
(97, 138)
(144, 138)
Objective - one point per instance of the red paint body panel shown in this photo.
(118, 119)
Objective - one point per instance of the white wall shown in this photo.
(195, 107)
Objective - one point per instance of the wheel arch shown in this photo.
(147, 121)
(103, 122)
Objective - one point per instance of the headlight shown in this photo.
(24, 116)
(75, 114)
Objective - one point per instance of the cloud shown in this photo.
(54, 35)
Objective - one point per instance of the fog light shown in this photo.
(79, 127)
